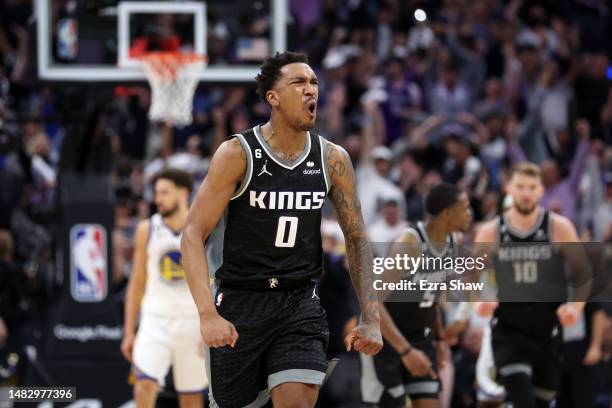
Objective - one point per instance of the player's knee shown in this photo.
(145, 389)
(194, 400)
(516, 381)
(519, 390)
(543, 397)
(426, 403)
(306, 400)
(290, 397)
(298, 403)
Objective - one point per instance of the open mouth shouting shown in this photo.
(311, 107)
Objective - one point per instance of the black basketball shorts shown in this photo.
(386, 382)
(283, 337)
(515, 352)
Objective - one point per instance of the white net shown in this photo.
(173, 78)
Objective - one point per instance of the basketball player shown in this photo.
(263, 321)
(169, 329)
(525, 336)
(408, 361)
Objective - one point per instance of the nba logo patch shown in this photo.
(88, 263)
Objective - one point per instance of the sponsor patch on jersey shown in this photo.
(88, 263)
(312, 171)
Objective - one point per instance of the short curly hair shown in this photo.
(271, 67)
(442, 197)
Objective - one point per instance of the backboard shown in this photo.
(97, 40)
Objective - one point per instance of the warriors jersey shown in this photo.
(530, 276)
(272, 227)
(166, 291)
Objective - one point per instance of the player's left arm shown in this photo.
(366, 337)
(598, 328)
(565, 235)
(442, 347)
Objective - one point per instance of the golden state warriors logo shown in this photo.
(170, 267)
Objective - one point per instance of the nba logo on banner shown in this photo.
(88, 263)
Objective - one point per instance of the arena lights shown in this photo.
(420, 15)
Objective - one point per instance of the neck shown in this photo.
(177, 220)
(283, 137)
(436, 230)
(523, 221)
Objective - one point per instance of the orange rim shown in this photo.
(172, 58)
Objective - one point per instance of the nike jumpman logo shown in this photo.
(264, 170)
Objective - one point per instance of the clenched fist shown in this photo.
(216, 331)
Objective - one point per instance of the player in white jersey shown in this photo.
(169, 327)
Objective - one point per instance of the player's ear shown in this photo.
(187, 194)
(540, 188)
(272, 98)
(506, 187)
(447, 213)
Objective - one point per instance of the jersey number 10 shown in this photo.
(284, 239)
(525, 272)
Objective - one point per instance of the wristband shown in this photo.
(407, 351)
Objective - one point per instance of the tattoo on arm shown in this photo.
(343, 195)
(337, 167)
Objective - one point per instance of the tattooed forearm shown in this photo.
(343, 196)
(359, 253)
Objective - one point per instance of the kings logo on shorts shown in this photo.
(88, 263)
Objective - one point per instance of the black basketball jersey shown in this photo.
(530, 277)
(420, 312)
(273, 222)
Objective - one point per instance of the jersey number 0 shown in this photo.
(286, 239)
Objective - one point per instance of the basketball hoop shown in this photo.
(173, 77)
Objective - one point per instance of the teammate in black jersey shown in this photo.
(263, 322)
(407, 363)
(524, 333)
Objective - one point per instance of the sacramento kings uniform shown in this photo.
(532, 284)
(169, 327)
(385, 381)
(271, 252)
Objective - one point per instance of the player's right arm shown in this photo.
(486, 236)
(135, 289)
(226, 171)
(487, 233)
(564, 233)
(366, 336)
(415, 361)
